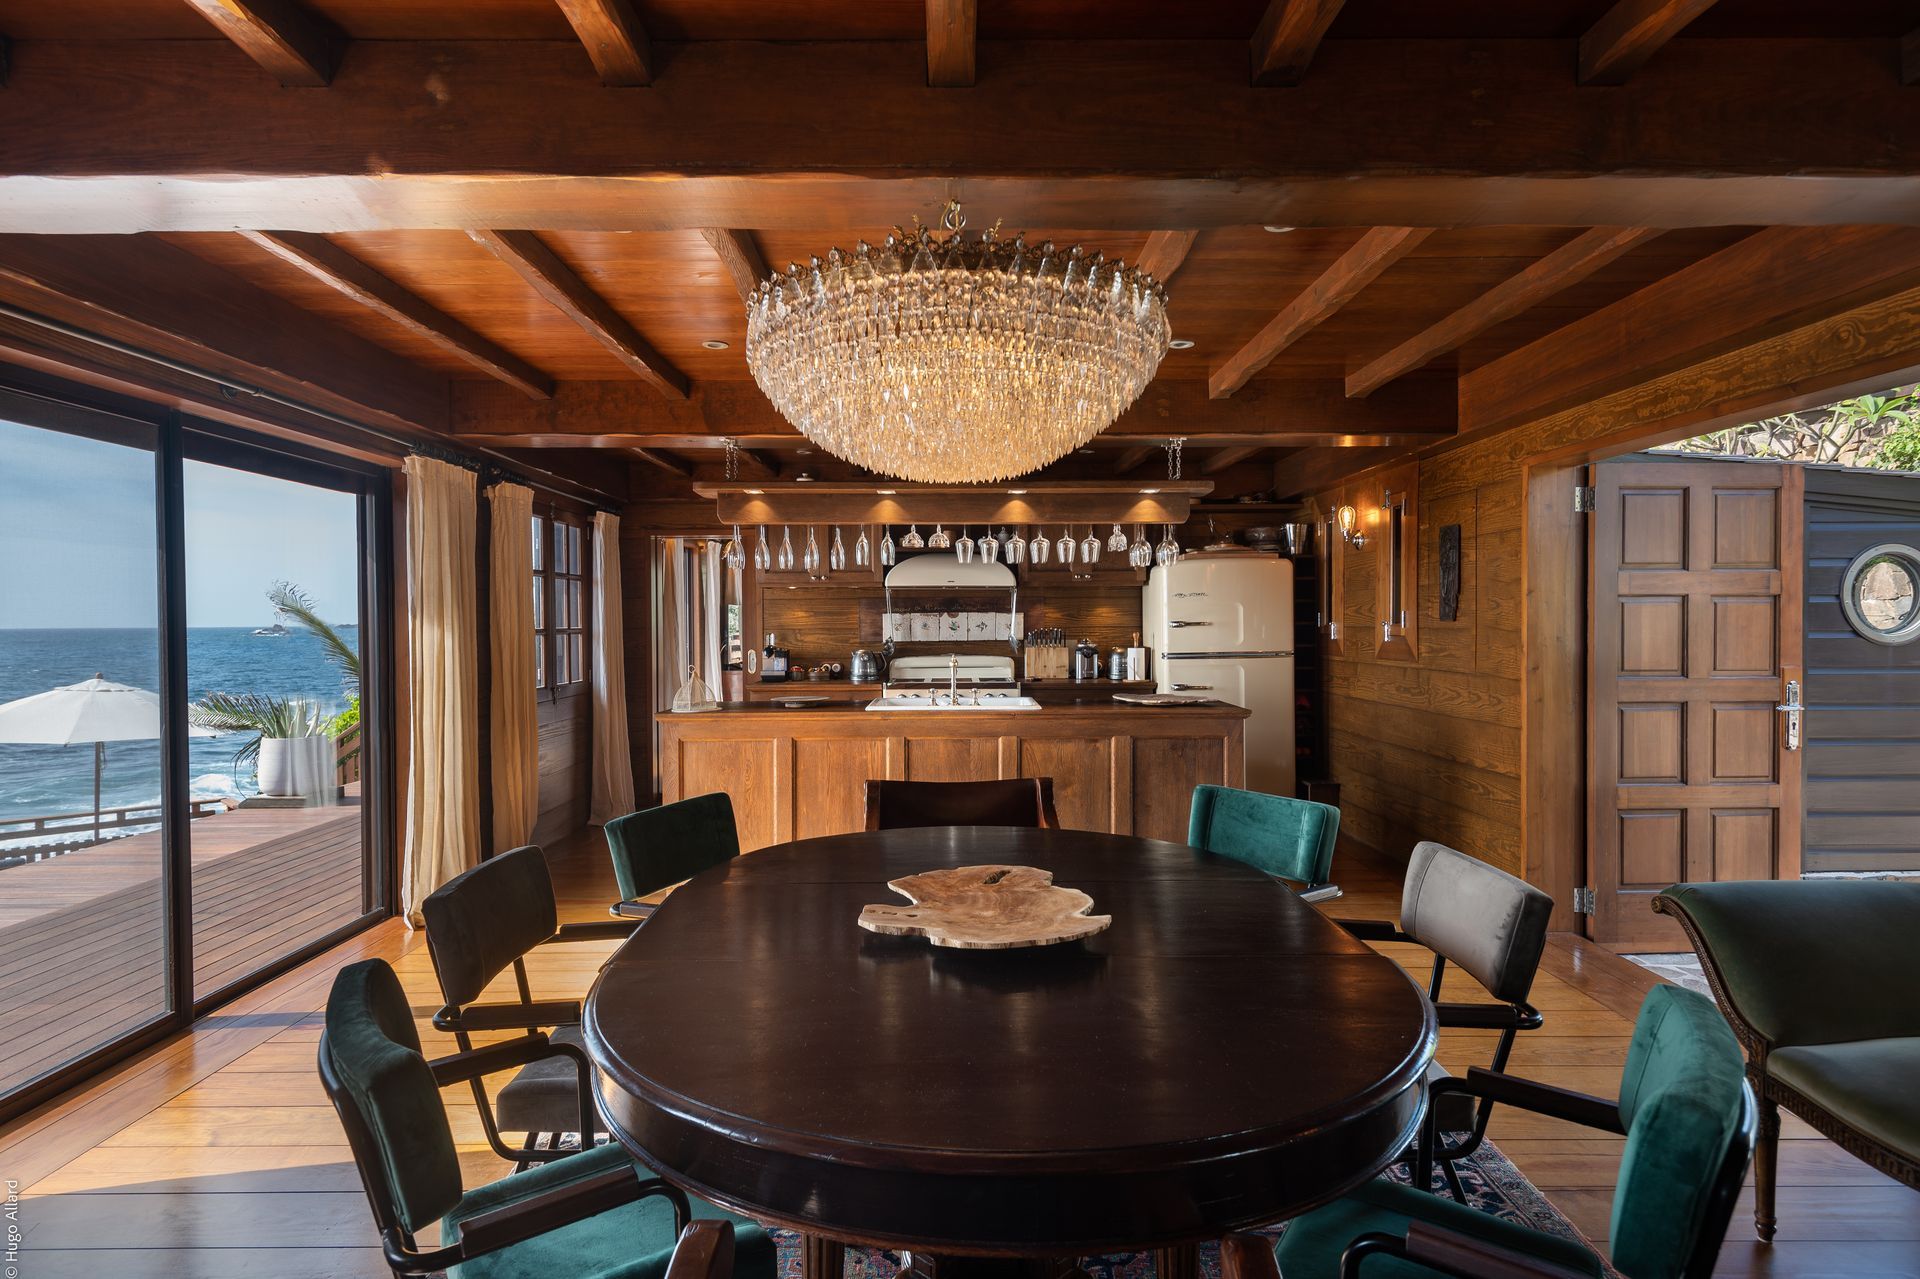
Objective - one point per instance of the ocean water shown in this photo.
(38, 780)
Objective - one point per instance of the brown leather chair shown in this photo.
(1019, 801)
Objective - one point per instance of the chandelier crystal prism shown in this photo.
(949, 358)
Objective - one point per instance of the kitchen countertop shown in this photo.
(1099, 703)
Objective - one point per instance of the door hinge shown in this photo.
(1583, 902)
(1584, 501)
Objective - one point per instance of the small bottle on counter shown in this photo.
(773, 662)
(1117, 664)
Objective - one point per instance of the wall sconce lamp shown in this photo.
(1349, 520)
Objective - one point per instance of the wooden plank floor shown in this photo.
(89, 963)
(216, 1154)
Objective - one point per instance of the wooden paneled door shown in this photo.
(1695, 617)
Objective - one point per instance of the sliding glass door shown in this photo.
(191, 734)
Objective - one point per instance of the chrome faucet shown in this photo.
(953, 679)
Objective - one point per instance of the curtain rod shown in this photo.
(485, 462)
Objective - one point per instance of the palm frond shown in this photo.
(261, 715)
(290, 601)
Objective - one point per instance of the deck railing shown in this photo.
(65, 832)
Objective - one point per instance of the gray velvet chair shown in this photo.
(480, 923)
(1490, 925)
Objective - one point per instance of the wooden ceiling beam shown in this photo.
(952, 35)
(325, 261)
(756, 134)
(740, 254)
(1133, 458)
(557, 282)
(297, 46)
(1910, 57)
(1567, 265)
(1629, 34)
(615, 39)
(1289, 33)
(1338, 285)
(664, 461)
(1271, 412)
(1774, 281)
(1313, 470)
(1164, 252)
(160, 298)
(1218, 462)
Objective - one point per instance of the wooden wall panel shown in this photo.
(1162, 793)
(745, 771)
(566, 754)
(952, 759)
(822, 802)
(1082, 773)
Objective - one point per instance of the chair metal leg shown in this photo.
(1453, 1180)
(1766, 1165)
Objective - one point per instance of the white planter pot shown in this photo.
(297, 767)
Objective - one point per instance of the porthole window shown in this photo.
(1880, 594)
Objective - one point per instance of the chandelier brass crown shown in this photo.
(949, 358)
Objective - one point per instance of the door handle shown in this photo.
(1793, 707)
(1179, 624)
(1191, 688)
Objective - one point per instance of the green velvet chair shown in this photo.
(1291, 838)
(591, 1215)
(480, 923)
(1821, 981)
(659, 847)
(1688, 1118)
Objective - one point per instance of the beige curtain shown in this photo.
(443, 798)
(689, 620)
(612, 750)
(516, 730)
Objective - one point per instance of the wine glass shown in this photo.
(1116, 540)
(810, 561)
(938, 540)
(837, 557)
(862, 550)
(734, 556)
(962, 550)
(785, 559)
(1168, 551)
(1090, 547)
(1139, 554)
(1067, 546)
(912, 541)
(1016, 547)
(763, 554)
(989, 547)
(1040, 549)
(887, 554)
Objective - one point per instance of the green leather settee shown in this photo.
(1821, 982)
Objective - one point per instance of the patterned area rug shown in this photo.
(1491, 1181)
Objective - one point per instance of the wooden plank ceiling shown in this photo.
(1312, 346)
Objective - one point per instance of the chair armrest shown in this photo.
(1449, 1253)
(1542, 1099)
(1246, 1256)
(634, 910)
(534, 1016)
(595, 930)
(1488, 1016)
(1373, 929)
(491, 1058)
(517, 1222)
(705, 1251)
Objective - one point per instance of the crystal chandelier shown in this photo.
(955, 359)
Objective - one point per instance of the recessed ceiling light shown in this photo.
(803, 478)
(754, 492)
(886, 492)
(1017, 492)
(1277, 230)
(715, 344)
(803, 452)
(1181, 344)
(1149, 491)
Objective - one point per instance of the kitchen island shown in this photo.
(795, 774)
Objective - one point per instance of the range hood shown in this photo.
(947, 571)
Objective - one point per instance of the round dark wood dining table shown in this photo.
(1223, 1056)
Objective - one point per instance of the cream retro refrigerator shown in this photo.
(1221, 625)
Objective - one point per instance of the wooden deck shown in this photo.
(81, 935)
(217, 1155)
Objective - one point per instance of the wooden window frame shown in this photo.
(1398, 637)
(549, 581)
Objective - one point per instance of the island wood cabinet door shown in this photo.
(1695, 631)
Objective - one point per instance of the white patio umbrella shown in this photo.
(96, 710)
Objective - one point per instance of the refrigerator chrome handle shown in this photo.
(1191, 688)
(1180, 623)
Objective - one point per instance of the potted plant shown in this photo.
(292, 742)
